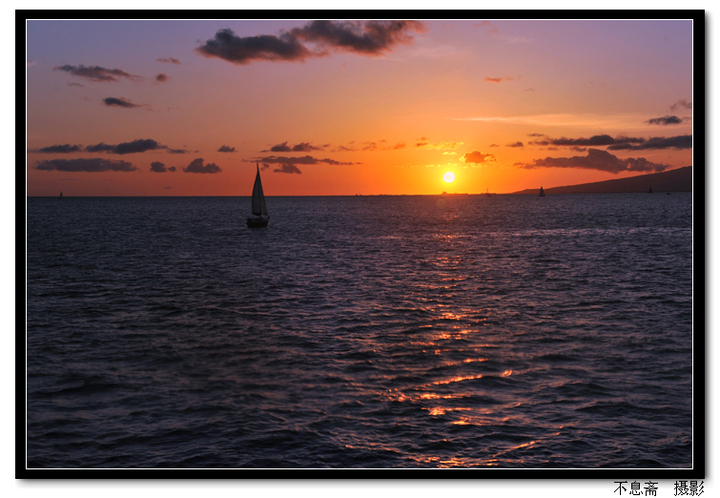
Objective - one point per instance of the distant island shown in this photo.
(677, 180)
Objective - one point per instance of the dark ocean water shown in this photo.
(503, 331)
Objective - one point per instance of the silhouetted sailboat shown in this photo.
(542, 193)
(260, 216)
(650, 191)
(60, 195)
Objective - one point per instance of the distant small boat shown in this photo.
(650, 191)
(60, 195)
(260, 216)
(542, 192)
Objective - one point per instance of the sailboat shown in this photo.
(60, 195)
(542, 192)
(260, 216)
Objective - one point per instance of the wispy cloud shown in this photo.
(325, 37)
(121, 102)
(162, 78)
(226, 148)
(617, 121)
(666, 120)
(681, 104)
(91, 165)
(170, 60)
(289, 164)
(96, 73)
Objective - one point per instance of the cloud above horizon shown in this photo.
(158, 167)
(594, 141)
(121, 102)
(371, 38)
(289, 164)
(477, 157)
(197, 166)
(678, 142)
(136, 146)
(597, 159)
(89, 165)
(666, 120)
(96, 73)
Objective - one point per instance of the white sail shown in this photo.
(258, 199)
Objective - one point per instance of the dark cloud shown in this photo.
(136, 146)
(301, 147)
(288, 164)
(516, 144)
(92, 165)
(243, 50)
(493, 145)
(665, 120)
(96, 73)
(594, 141)
(226, 148)
(363, 37)
(304, 147)
(141, 145)
(61, 149)
(170, 60)
(283, 147)
(288, 168)
(681, 104)
(196, 166)
(121, 102)
(477, 157)
(598, 160)
(299, 160)
(536, 135)
(678, 142)
(158, 167)
(162, 78)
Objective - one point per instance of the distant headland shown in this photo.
(677, 180)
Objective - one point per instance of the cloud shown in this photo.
(477, 157)
(498, 80)
(288, 168)
(162, 78)
(425, 144)
(96, 73)
(678, 142)
(362, 37)
(92, 165)
(288, 164)
(136, 146)
(598, 160)
(226, 148)
(487, 25)
(665, 120)
(594, 141)
(515, 144)
(158, 167)
(243, 50)
(61, 149)
(304, 147)
(121, 102)
(196, 166)
(682, 103)
(170, 60)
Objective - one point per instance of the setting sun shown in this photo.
(449, 177)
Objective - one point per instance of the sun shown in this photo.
(449, 177)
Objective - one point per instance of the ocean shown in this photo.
(504, 331)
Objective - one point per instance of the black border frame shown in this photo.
(700, 228)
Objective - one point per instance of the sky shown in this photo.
(345, 107)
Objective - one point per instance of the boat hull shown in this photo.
(257, 221)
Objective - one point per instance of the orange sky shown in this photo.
(352, 107)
